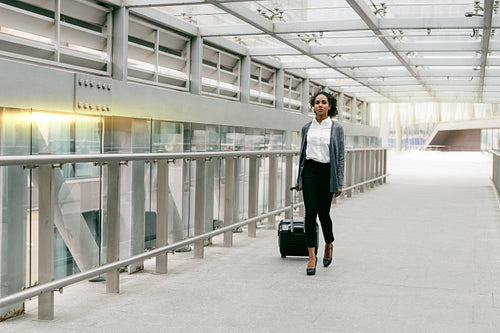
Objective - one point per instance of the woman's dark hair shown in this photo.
(331, 100)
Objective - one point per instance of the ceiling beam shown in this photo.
(473, 46)
(363, 11)
(351, 25)
(360, 63)
(166, 20)
(164, 3)
(485, 43)
(366, 74)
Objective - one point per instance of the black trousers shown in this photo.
(317, 200)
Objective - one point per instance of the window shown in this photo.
(80, 38)
(158, 56)
(262, 83)
(359, 111)
(292, 93)
(220, 73)
(347, 108)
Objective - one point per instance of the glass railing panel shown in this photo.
(17, 239)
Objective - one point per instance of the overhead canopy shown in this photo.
(377, 50)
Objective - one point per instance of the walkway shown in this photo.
(419, 254)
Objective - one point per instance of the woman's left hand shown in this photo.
(338, 193)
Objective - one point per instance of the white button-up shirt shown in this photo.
(318, 140)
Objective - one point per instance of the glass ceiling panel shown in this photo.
(201, 15)
(308, 10)
(422, 8)
(258, 41)
(360, 53)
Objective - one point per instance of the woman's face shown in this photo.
(321, 106)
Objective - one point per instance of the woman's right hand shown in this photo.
(297, 186)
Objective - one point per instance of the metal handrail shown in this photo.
(33, 160)
(47, 159)
(365, 182)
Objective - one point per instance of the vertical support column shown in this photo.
(357, 169)
(384, 167)
(57, 32)
(196, 65)
(361, 168)
(280, 88)
(113, 226)
(397, 125)
(209, 196)
(162, 215)
(229, 200)
(120, 43)
(245, 79)
(371, 167)
(252, 195)
(305, 96)
(349, 173)
(379, 165)
(272, 193)
(340, 106)
(354, 110)
(137, 208)
(46, 239)
(288, 178)
(365, 118)
(199, 207)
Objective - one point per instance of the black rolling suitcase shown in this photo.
(292, 236)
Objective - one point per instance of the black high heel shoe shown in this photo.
(327, 262)
(312, 271)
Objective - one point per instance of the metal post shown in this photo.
(245, 79)
(384, 168)
(199, 207)
(288, 178)
(349, 173)
(273, 177)
(112, 237)
(380, 155)
(162, 215)
(252, 195)
(357, 168)
(279, 85)
(302, 208)
(371, 167)
(305, 97)
(362, 171)
(46, 239)
(229, 200)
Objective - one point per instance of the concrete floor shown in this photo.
(418, 254)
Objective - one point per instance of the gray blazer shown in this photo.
(336, 156)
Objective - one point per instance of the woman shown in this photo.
(321, 173)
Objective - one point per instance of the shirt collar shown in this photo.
(325, 122)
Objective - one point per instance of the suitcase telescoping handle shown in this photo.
(291, 210)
